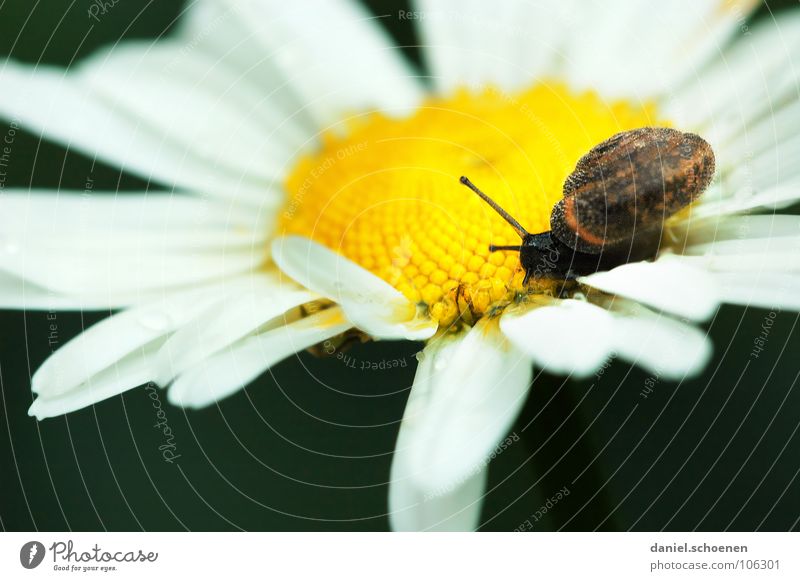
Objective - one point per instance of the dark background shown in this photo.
(290, 453)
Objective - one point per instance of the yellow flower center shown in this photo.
(386, 194)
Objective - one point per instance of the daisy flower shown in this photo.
(308, 192)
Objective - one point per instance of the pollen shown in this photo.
(384, 191)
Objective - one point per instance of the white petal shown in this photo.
(131, 371)
(386, 325)
(231, 369)
(667, 348)
(112, 339)
(412, 509)
(17, 293)
(55, 104)
(223, 324)
(443, 46)
(589, 43)
(747, 256)
(466, 395)
(338, 60)
(773, 167)
(672, 41)
(106, 273)
(244, 113)
(193, 104)
(50, 220)
(666, 284)
(759, 134)
(222, 31)
(466, 44)
(571, 337)
(752, 288)
(598, 32)
(777, 197)
(753, 77)
(732, 257)
(101, 250)
(746, 243)
(576, 337)
(747, 227)
(372, 304)
(101, 245)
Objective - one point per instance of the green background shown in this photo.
(308, 445)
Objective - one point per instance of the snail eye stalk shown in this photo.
(493, 248)
(505, 215)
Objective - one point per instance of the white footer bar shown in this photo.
(355, 556)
